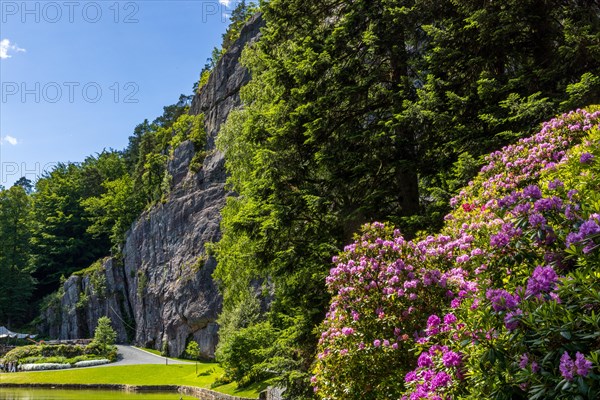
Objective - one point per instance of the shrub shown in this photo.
(91, 363)
(503, 303)
(44, 366)
(44, 352)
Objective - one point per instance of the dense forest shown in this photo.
(359, 111)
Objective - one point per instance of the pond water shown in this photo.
(59, 394)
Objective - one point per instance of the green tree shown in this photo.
(104, 335)
(113, 212)
(62, 242)
(192, 351)
(16, 283)
(25, 183)
(239, 16)
(491, 72)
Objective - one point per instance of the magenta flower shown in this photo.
(424, 360)
(441, 379)
(411, 376)
(449, 319)
(433, 321)
(451, 359)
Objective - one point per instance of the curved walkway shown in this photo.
(129, 355)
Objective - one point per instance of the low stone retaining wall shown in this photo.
(199, 393)
(206, 394)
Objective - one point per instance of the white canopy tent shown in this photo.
(5, 333)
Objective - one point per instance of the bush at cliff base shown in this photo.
(503, 303)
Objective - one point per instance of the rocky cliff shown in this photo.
(162, 289)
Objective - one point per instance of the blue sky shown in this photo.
(77, 76)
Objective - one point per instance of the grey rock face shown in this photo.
(87, 298)
(166, 278)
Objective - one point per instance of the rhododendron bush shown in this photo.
(503, 303)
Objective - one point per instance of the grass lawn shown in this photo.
(176, 374)
(157, 353)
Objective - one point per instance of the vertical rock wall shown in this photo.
(164, 284)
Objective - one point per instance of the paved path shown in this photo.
(129, 355)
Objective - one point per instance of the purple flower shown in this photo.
(586, 158)
(572, 238)
(555, 184)
(522, 208)
(377, 343)
(500, 239)
(502, 300)
(566, 366)
(524, 361)
(589, 228)
(582, 365)
(548, 203)
(535, 368)
(542, 280)
(511, 320)
(537, 220)
(532, 191)
(455, 303)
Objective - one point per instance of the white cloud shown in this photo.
(10, 140)
(6, 46)
(226, 3)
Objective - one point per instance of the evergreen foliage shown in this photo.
(374, 110)
(104, 335)
(16, 283)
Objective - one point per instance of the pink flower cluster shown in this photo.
(438, 368)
